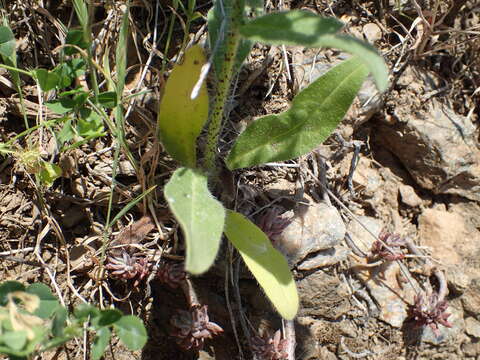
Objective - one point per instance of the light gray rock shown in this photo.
(372, 32)
(315, 227)
(472, 327)
(324, 258)
(438, 148)
(408, 196)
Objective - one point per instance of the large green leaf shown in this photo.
(266, 263)
(296, 27)
(315, 113)
(200, 215)
(307, 29)
(181, 119)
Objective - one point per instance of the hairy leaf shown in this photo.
(200, 215)
(181, 119)
(315, 113)
(296, 27)
(304, 28)
(266, 263)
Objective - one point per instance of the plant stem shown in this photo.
(234, 15)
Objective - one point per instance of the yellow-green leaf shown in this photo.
(181, 118)
(266, 263)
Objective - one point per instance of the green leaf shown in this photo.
(106, 318)
(100, 342)
(68, 71)
(200, 215)
(15, 339)
(48, 302)
(66, 133)
(266, 263)
(7, 42)
(121, 58)
(108, 99)
(131, 332)
(83, 311)
(304, 28)
(75, 37)
(49, 173)
(61, 105)
(181, 119)
(315, 113)
(59, 321)
(89, 123)
(47, 80)
(7, 287)
(81, 11)
(366, 52)
(295, 27)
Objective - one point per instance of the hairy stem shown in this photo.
(233, 18)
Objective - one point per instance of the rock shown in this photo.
(324, 258)
(323, 295)
(449, 237)
(408, 196)
(438, 148)
(454, 241)
(471, 349)
(313, 228)
(445, 333)
(472, 327)
(471, 299)
(383, 281)
(372, 32)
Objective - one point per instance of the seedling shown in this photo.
(315, 113)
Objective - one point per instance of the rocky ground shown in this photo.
(403, 166)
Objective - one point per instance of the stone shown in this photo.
(471, 349)
(314, 227)
(323, 295)
(408, 196)
(438, 148)
(471, 299)
(324, 258)
(472, 327)
(448, 236)
(372, 32)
